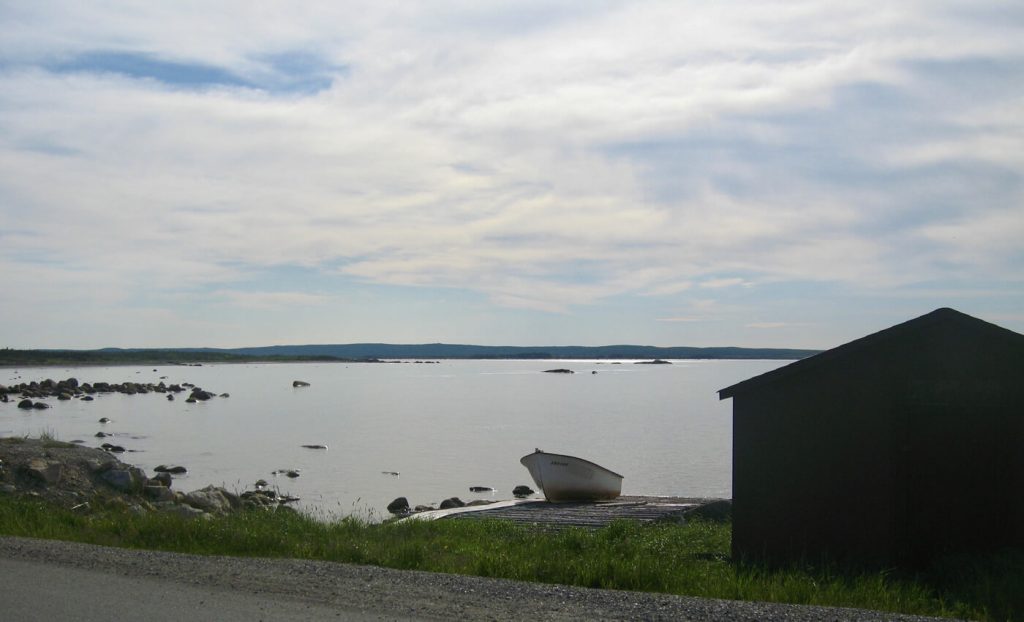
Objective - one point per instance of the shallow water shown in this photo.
(444, 427)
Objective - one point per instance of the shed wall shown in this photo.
(899, 452)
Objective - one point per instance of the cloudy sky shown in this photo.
(524, 173)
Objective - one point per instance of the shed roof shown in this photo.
(927, 321)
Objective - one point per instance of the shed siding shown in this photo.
(896, 451)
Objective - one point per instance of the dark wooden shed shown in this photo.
(892, 448)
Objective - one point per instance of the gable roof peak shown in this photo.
(940, 315)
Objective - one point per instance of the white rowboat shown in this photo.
(568, 478)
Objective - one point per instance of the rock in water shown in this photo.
(177, 470)
(200, 395)
(399, 506)
(453, 502)
(559, 371)
(523, 491)
(480, 489)
(300, 383)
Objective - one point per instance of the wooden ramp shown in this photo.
(544, 514)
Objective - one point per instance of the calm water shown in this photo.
(444, 427)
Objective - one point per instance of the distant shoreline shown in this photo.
(378, 353)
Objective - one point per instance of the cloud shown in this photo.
(267, 300)
(722, 283)
(145, 67)
(544, 157)
(770, 325)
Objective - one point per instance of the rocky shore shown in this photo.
(83, 478)
(70, 389)
(74, 473)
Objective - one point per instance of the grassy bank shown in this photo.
(679, 559)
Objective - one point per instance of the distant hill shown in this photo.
(378, 351)
(456, 351)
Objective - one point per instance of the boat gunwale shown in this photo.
(547, 453)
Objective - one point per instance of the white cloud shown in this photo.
(546, 157)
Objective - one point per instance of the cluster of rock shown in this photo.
(79, 477)
(401, 507)
(72, 389)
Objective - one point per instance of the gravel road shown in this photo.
(72, 579)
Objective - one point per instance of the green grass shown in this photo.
(687, 559)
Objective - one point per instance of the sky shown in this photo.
(728, 173)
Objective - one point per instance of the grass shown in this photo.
(689, 559)
(50, 441)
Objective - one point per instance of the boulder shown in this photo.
(559, 371)
(46, 472)
(26, 404)
(40, 406)
(399, 506)
(162, 479)
(182, 510)
(424, 508)
(200, 395)
(523, 491)
(125, 479)
(453, 502)
(299, 383)
(175, 469)
(315, 446)
(210, 499)
(480, 489)
(258, 499)
(158, 493)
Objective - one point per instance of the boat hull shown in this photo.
(568, 478)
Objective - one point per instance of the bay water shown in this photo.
(442, 427)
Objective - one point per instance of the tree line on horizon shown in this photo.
(377, 351)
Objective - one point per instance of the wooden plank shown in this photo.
(589, 515)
